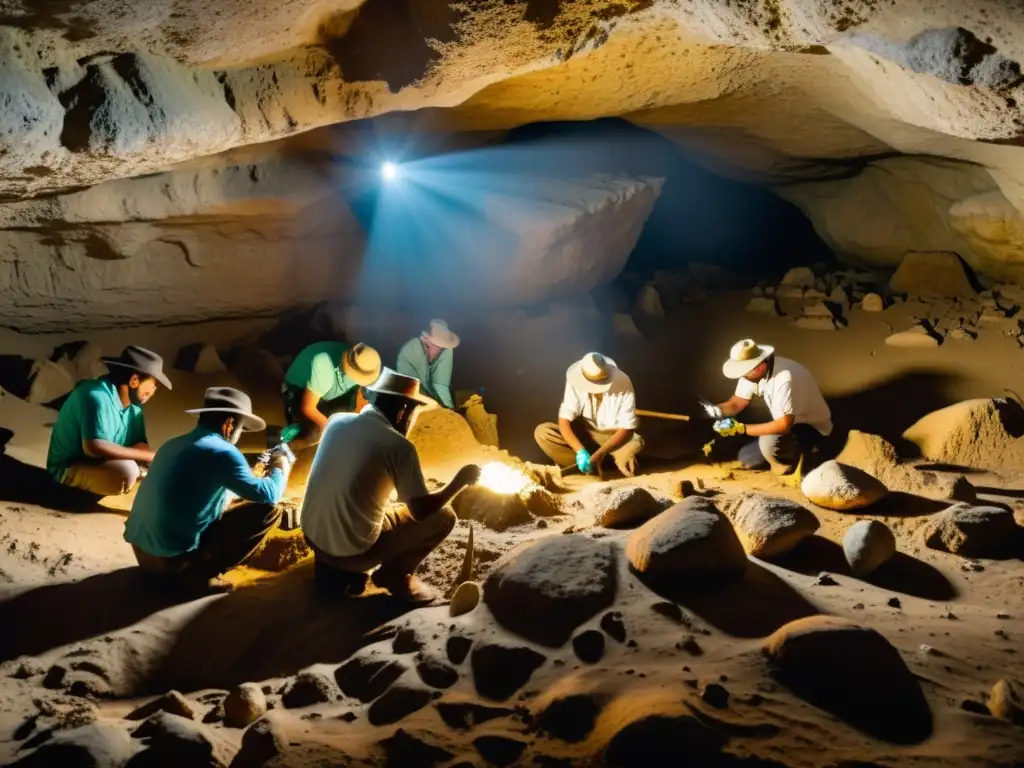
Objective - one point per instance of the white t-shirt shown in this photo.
(361, 459)
(615, 409)
(790, 390)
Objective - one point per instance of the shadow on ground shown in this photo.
(753, 605)
(24, 484)
(902, 573)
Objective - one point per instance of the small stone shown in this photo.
(436, 673)
(714, 694)
(1006, 701)
(974, 707)
(612, 624)
(928, 650)
(915, 337)
(872, 302)
(589, 646)
(1002, 615)
(670, 611)
(499, 750)
(825, 580)
(172, 702)
(858, 606)
(868, 544)
(894, 602)
(406, 641)
(800, 276)
(366, 678)
(457, 648)
(769, 526)
(309, 688)
(403, 749)
(624, 505)
(691, 646)
(500, 671)
(396, 704)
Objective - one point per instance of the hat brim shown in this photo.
(359, 377)
(250, 422)
(109, 361)
(581, 382)
(417, 399)
(737, 369)
(448, 341)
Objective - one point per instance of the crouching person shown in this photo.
(361, 459)
(180, 525)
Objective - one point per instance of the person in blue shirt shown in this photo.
(181, 525)
(429, 358)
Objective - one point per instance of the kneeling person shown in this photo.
(800, 416)
(99, 439)
(597, 418)
(361, 459)
(180, 525)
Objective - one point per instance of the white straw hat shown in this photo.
(594, 373)
(744, 357)
(361, 363)
(439, 334)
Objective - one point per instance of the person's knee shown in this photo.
(542, 435)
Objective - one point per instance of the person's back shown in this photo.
(316, 367)
(360, 461)
(808, 403)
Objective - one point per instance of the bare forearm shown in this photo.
(617, 440)
(776, 427)
(104, 449)
(733, 406)
(565, 428)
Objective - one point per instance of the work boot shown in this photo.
(795, 478)
(408, 588)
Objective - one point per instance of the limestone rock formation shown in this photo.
(838, 486)
(691, 538)
(932, 274)
(770, 527)
(853, 672)
(974, 531)
(868, 544)
(544, 591)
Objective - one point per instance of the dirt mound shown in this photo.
(981, 434)
(853, 672)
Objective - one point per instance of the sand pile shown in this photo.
(445, 442)
(980, 434)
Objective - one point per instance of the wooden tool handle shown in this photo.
(660, 415)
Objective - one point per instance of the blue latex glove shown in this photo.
(583, 460)
(728, 427)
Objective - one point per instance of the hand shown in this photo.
(468, 475)
(712, 410)
(280, 460)
(729, 427)
(596, 459)
(583, 461)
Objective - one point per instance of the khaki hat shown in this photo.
(391, 382)
(439, 334)
(744, 357)
(231, 400)
(594, 373)
(142, 361)
(361, 363)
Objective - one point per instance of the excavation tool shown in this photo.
(277, 443)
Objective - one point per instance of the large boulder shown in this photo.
(544, 591)
(868, 544)
(852, 672)
(973, 531)
(619, 506)
(841, 487)
(770, 526)
(932, 273)
(691, 538)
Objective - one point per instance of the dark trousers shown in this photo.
(781, 453)
(226, 543)
(291, 398)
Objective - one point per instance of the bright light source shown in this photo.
(501, 478)
(389, 171)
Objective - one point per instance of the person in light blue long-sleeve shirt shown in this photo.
(429, 358)
(181, 524)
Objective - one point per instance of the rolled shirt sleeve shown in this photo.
(625, 416)
(99, 422)
(782, 397)
(572, 404)
(321, 374)
(745, 389)
(441, 378)
(239, 479)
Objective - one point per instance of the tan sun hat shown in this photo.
(744, 357)
(361, 363)
(233, 401)
(594, 373)
(440, 335)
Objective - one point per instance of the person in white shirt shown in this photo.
(362, 458)
(800, 416)
(597, 418)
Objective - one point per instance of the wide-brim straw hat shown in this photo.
(140, 360)
(744, 357)
(439, 334)
(594, 373)
(361, 363)
(391, 382)
(229, 400)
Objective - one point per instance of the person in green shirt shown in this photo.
(429, 358)
(99, 439)
(324, 379)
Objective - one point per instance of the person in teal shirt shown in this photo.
(181, 525)
(429, 358)
(324, 379)
(99, 439)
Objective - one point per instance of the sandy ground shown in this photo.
(71, 598)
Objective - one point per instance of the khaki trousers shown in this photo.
(113, 477)
(549, 439)
(227, 542)
(403, 544)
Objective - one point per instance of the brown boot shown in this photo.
(407, 587)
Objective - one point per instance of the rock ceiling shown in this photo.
(903, 113)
